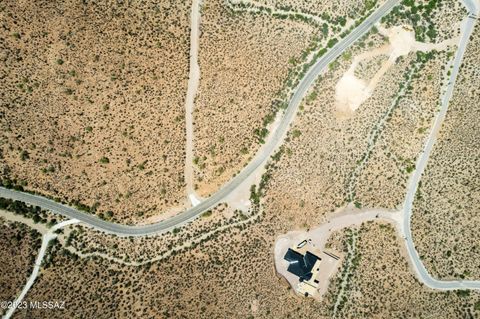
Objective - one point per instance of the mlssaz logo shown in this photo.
(47, 304)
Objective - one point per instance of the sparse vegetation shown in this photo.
(445, 219)
(382, 285)
(18, 249)
(112, 144)
(236, 96)
(78, 91)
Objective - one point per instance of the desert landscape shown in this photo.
(361, 154)
(330, 11)
(19, 245)
(236, 106)
(238, 86)
(135, 115)
(446, 219)
(191, 280)
(89, 114)
(379, 283)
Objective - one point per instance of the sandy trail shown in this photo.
(193, 82)
(46, 238)
(160, 256)
(257, 7)
(240, 198)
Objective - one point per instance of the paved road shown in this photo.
(422, 162)
(263, 155)
(260, 159)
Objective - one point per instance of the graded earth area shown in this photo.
(89, 113)
(446, 213)
(335, 155)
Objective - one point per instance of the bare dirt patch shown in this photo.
(351, 91)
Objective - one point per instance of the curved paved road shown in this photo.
(259, 159)
(418, 266)
(263, 155)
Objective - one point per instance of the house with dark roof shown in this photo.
(300, 265)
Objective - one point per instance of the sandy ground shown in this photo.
(192, 199)
(351, 92)
(347, 218)
(41, 228)
(328, 269)
(193, 81)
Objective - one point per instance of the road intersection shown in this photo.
(258, 161)
(278, 135)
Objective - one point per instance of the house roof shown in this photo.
(300, 265)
